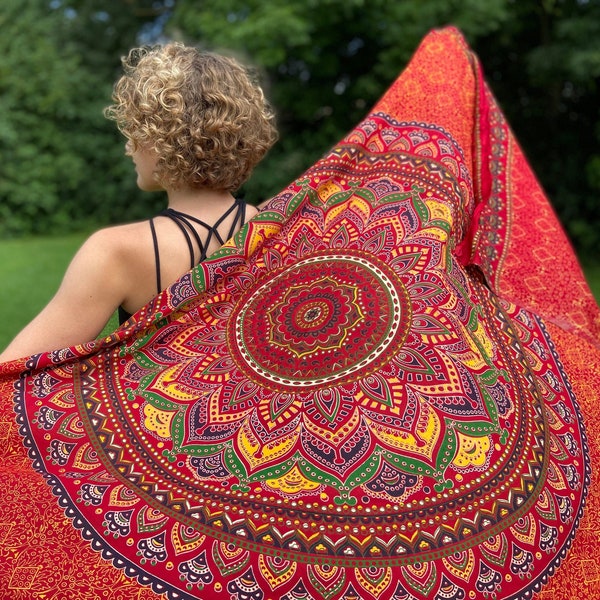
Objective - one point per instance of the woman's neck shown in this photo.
(199, 200)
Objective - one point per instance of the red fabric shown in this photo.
(378, 389)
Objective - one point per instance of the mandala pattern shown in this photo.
(320, 321)
(340, 407)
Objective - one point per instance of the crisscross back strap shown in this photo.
(185, 222)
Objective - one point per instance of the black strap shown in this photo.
(185, 223)
(123, 315)
(156, 256)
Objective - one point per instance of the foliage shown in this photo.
(62, 162)
(325, 62)
(545, 69)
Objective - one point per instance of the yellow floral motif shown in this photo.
(293, 482)
(439, 211)
(471, 451)
(461, 564)
(184, 540)
(168, 383)
(333, 215)
(158, 421)
(484, 339)
(471, 359)
(258, 232)
(481, 348)
(277, 573)
(327, 189)
(376, 582)
(360, 205)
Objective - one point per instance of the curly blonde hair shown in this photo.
(202, 113)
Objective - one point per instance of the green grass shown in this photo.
(31, 270)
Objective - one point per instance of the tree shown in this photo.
(325, 63)
(544, 66)
(33, 153)
(62, 162)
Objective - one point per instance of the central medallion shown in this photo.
(330, 318)
(319, 316)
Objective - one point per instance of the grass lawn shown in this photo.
(31, 270)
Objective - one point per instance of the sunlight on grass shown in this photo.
(31, 270)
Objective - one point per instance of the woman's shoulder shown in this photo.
(121, 230)
(123, 250)
(120, 238)
(125, 254)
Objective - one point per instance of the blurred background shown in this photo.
(323, 63)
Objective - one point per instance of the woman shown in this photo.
(196, 125)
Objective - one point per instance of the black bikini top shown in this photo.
(186, 223)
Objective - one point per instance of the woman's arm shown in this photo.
(90, 292)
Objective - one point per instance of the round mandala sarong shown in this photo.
(338, 404)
